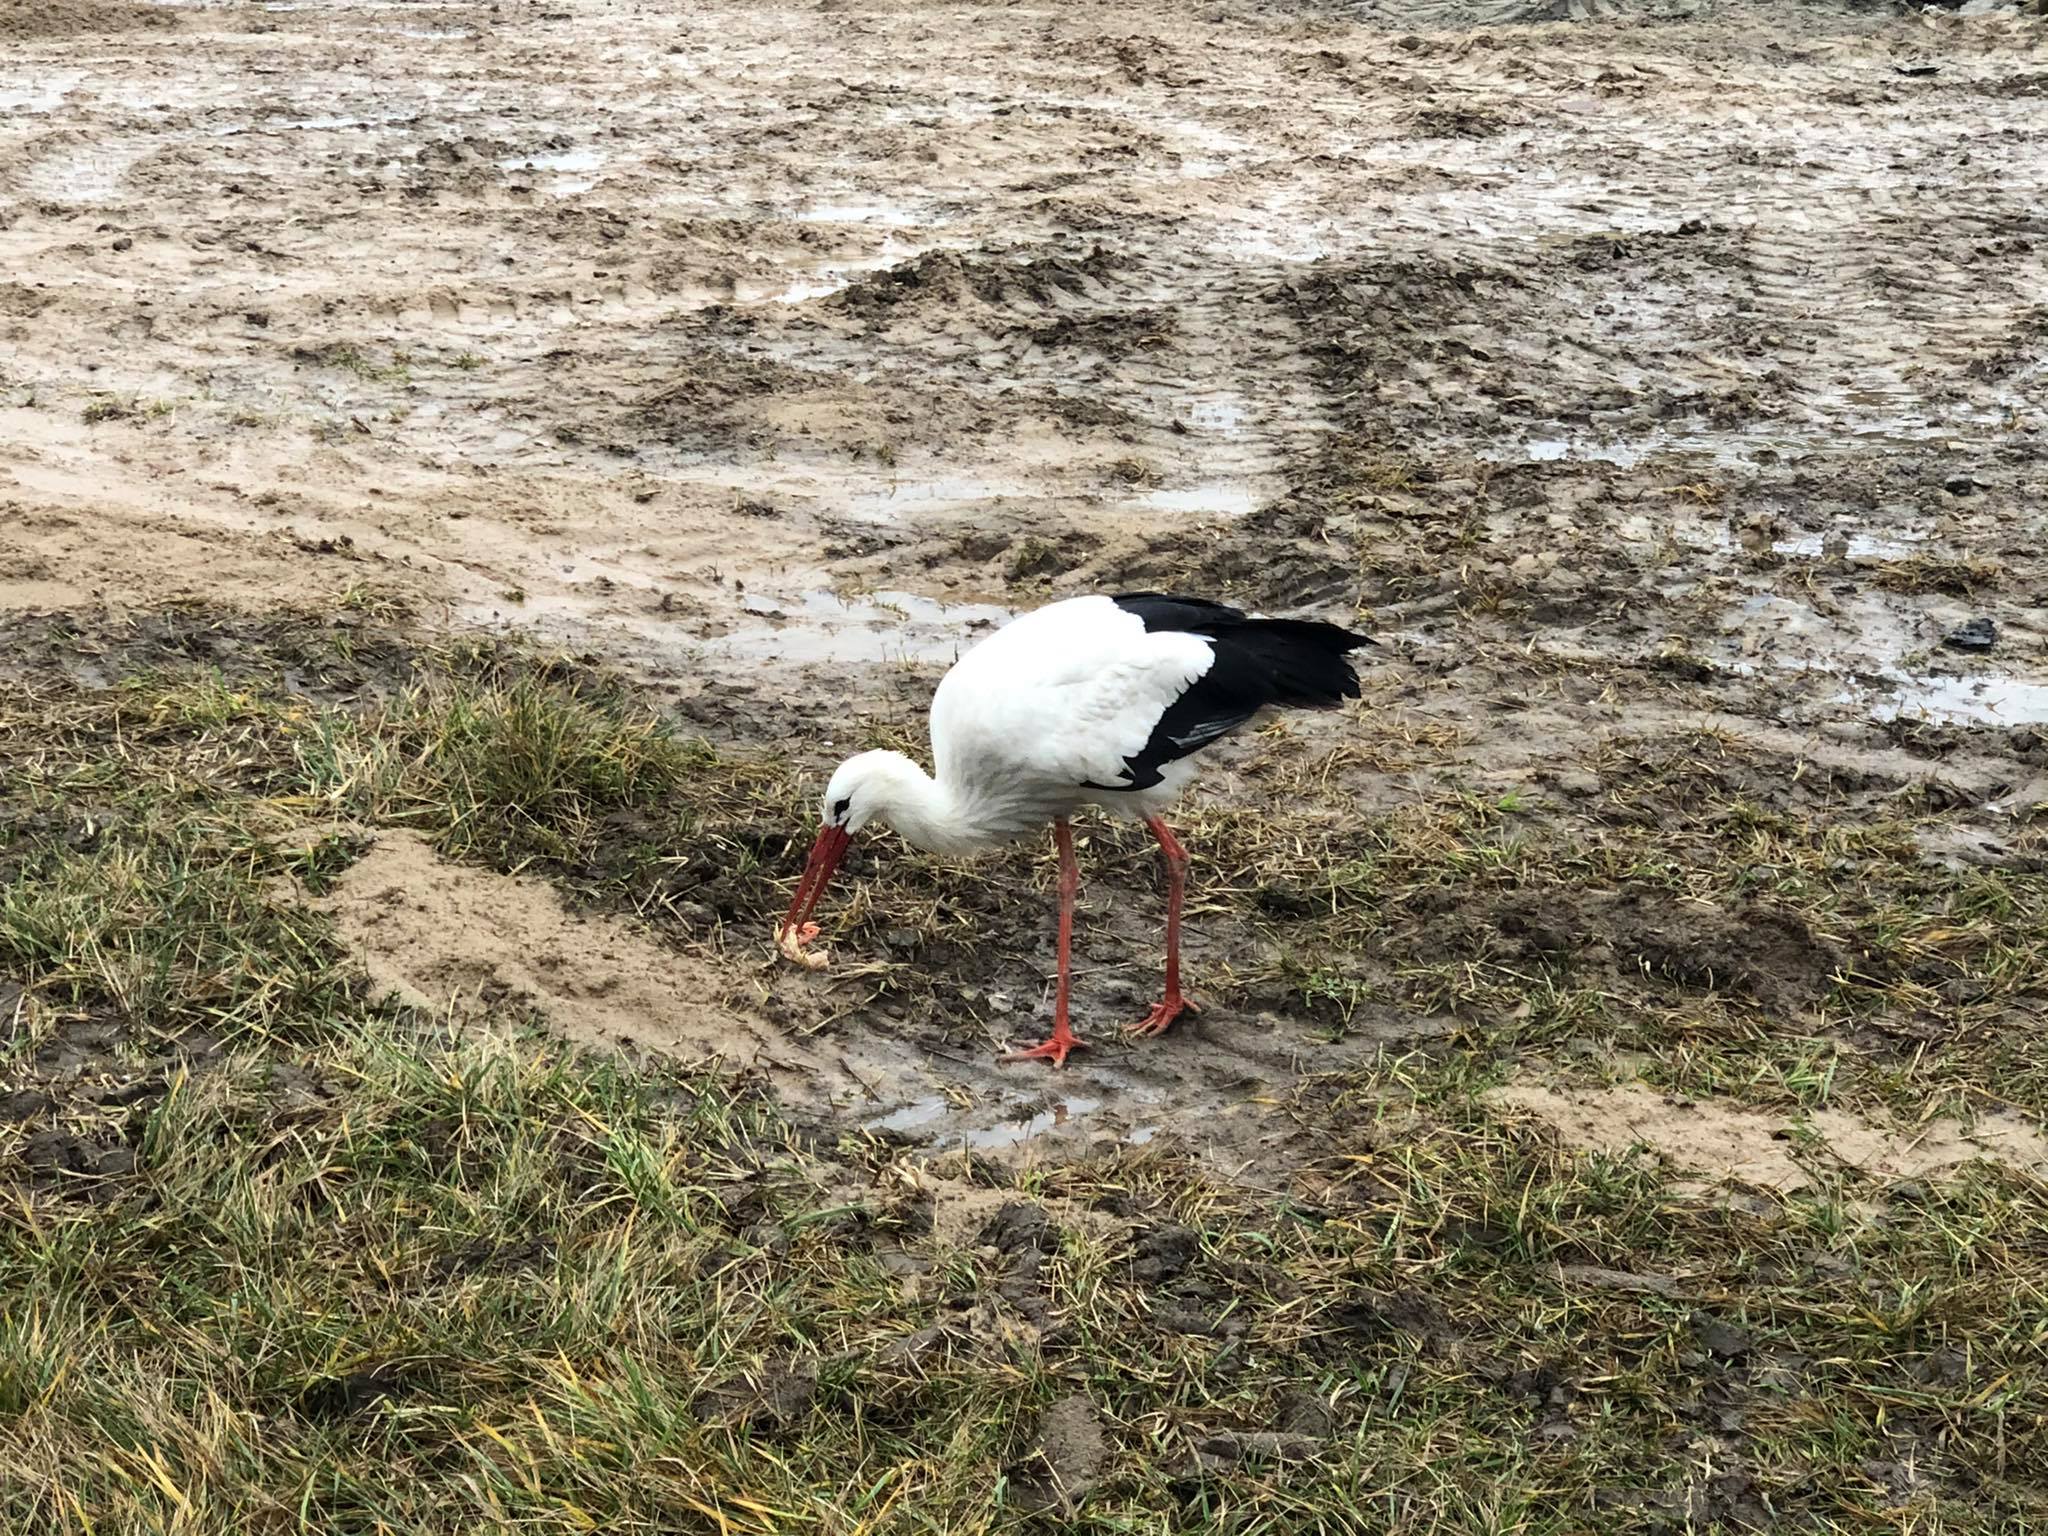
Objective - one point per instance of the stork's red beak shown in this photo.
(826, 853)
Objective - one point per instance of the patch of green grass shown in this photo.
(195, 699)
(339, 1271)
(1704, 916)
(448, 1286)
(379, 606)
(351, 358)
(166, 925)
(511, 768)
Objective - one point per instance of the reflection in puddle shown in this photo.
(1228, 500)
(322, 123)
(858, 213)
(555, 160)
(924, 1114)
(1213, 150)
(902, 608)
(1552, 450)
(1867, 658)
(914, 1116)
(1745, 447)
(1963, 700)
(1222, 414)
(826, 279)
(46, 96)
(935, 494)
(1853, 546)
(96, 176)
(930, 1117)
(571, 169)
(1254, 235)
(802, 291)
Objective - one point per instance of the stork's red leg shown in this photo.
(1161, 1018)
(1063, 1038)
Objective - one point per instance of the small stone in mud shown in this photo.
(24, 1104)
(1724, 1341)
(1960, 485)
(1978, 634)
(126, 242)
(1163, 1252)
(1076, 1453)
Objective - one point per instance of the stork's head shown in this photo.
(864, 788)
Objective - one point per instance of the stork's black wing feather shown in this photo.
(1289, 663)
(1192, 615)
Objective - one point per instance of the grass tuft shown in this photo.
(277, 1259)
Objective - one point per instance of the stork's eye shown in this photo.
(840, 807)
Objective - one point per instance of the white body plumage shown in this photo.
(1023, 726)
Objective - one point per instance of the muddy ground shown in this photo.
(1663, 383)
(467, 472)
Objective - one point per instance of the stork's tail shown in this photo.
(1306, 662)
(1294, 663)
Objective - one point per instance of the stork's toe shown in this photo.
(1053, 1050)
(1161, 1018)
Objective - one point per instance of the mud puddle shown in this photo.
(1053, 298)
(932, 1121)
(491, 951)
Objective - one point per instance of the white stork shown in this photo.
(1092, 701)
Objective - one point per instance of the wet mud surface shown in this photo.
(1634, 371)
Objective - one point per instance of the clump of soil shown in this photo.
(45, 20)
(1768, 956)
(950, 278)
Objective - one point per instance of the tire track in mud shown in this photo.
(571, 253)
(1807, 334)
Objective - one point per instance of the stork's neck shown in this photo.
(926, 813)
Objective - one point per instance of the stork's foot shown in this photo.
(1053, 1050)
(1161, 1018)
